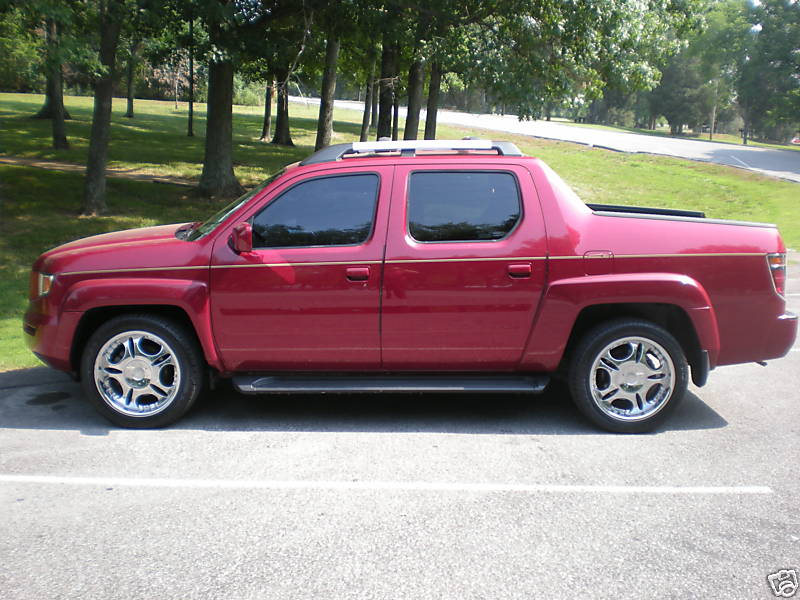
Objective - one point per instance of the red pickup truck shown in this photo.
(455, 266)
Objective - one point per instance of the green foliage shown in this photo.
(536, 53)
(20, 51)
(681, 97)
(768, 84)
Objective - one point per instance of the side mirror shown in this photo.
(241, 239)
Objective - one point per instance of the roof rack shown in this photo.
(408, 148)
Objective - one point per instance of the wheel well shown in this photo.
(669, 316)
(95, 317)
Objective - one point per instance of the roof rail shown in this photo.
(408, 148)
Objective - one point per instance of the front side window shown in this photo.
(462, 206)
(328, 211)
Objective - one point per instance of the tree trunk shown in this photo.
(282, 134)
(373, 115)
(325, 120)
(130, 70)
(57, 100)
(190, 123)
(433, 101)
(416, 79)
(217, 178)
(367, 102)
(94, 195)
(175, 73)
(266, 127)
(713, 111)
(395, 114)
(54, 91)
(386, 95)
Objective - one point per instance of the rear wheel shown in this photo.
(628, 375)
(142, 371)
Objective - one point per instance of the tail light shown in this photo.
(777, 266)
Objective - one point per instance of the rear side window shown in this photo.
(462, 206)
(329, 211)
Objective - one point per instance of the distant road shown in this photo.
(769, 161)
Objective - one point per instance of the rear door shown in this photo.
(464, 268)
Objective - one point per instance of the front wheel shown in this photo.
(628, 375)
(142, 371)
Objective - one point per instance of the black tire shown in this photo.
(641, 402)
(164, 368)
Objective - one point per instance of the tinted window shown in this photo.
(462, 206)
(330, 211)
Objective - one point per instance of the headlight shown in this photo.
(41, 284)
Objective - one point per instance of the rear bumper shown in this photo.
(781, 336)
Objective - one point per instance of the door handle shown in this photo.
(357, 273)
(520, 271)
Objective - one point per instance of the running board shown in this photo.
(350, 384)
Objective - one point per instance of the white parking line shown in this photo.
(739, 161)
(411, 486)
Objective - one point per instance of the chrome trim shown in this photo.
(300, 264)
(408, 261)
(445, 260)
(689, 255)
(133, 270)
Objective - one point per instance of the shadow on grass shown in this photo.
(57, 402)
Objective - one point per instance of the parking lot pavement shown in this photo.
(401, 496)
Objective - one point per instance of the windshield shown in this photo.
(211, 223)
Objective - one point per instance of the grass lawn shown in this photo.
(39, 208)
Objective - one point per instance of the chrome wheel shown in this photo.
(137, 373)
(632, 378)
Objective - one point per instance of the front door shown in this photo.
(464, 267)
(308, 296)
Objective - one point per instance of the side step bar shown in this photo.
(350, 384)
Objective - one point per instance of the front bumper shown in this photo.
(50, 337)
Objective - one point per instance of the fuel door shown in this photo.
(598, 262)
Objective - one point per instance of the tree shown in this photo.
(54, 17)
(433, 101)
(679, 97)
(386, 84)
(217, 178)
(277, 38)
(131, 51)
(416, 80)
(368, 95)
(110, 14)
(768, 83)
(20, 49)
(532, 54)
(55, 86)
(334, 18)
(720, 48)
(325, 120)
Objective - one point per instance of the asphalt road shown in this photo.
(769, 161)
(402, 496)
